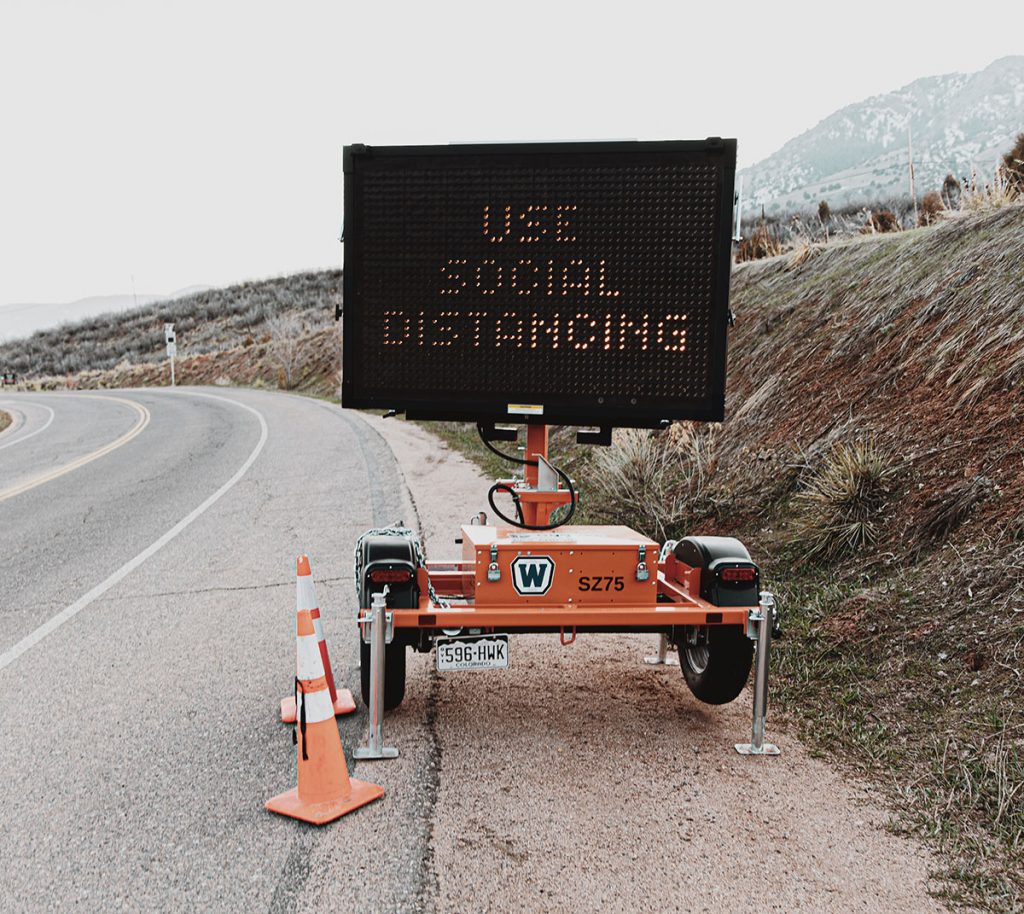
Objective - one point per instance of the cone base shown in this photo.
(289, 804)
(344, 705)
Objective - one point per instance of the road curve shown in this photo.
(140, 738)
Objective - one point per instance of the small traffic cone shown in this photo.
(305, 598)
(325, 792)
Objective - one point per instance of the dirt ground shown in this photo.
(582, 779)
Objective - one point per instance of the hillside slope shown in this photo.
(205, 322)
(905, 655)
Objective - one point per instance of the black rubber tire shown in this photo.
(394, 666)
(730, 655)
(394, 674)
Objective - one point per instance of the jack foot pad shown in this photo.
(366, 753)
(750, 749)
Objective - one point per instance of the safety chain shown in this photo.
(398, 529)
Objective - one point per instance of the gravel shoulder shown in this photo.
(583, 780)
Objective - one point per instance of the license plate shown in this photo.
(472, 652)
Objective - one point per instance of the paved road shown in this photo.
(139, 737)
(147, 635)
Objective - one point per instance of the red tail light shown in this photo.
(391, 576)
(739, 575)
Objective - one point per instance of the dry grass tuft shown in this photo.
(651, 480)
(982, 197)
(763, 243)
(841, 502)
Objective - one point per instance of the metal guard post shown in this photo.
(377, 623)
(765, 619)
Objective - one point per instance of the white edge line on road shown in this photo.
(135, 430)
(46, 425)
(51, 625)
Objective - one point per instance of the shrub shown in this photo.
(1013, 165)
(840, 505)
(951, 192)
(881, 220)
(931, 206)
(824, 212)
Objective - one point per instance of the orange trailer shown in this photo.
(583, 284)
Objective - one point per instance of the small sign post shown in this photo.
(172, 347)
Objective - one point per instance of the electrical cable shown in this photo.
(505, 487)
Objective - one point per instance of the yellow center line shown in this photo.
(140, 424)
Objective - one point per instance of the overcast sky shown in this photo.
(200, 143)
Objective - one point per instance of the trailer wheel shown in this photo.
(716, 668)
(384, 550)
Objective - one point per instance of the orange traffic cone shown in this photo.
(324, 792)
(305, 598)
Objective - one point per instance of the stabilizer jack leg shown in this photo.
(764, 619)
(376, 621)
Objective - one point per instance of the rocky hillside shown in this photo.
(858, 155)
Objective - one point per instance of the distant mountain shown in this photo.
(23, 319)
(859, 154)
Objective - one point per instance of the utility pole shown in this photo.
(910, 160)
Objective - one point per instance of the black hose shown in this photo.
(504, 487)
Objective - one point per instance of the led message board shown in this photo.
(579, 284)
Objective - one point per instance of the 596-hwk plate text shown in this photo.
(472, 652)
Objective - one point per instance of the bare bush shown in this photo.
(881, 221)
(951, 191)
(931, 208)
(763, 243)
(288, 336)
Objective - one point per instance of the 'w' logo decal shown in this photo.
(532, 574)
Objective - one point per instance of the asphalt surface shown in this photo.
(140, 737)
(147, 636)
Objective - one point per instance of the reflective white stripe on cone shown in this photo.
(305, 598)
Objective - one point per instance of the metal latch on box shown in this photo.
(493, 571)
(642, 571)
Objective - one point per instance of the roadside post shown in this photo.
(172, 347)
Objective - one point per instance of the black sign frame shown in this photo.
(638, 412)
